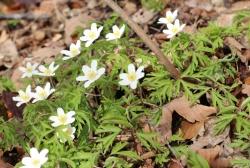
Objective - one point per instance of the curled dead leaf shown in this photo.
(212, 155)
(185, 109)
(191, 130)
(238, 49)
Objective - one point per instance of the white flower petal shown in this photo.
(115, 28)
(71, 114)
(85, 69)
(101, 71)
(66, 52)
(124, 82)
(88, 43)
(133, 84)
(123, 76)
(60, 111)
(44, 152)
(34, 153)
(94, 65)
(26, 161)
(94, 27)
(110, 36)
(84, 38)
(131, 68)
(86, 84)
(81, 78)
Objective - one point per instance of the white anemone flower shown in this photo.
(29, 70)
(169, 18)
(48, 71)
(173, 29)
(36, 159)
(23, 97)
(117, 33)
(90, 35)
(91, 74)
(131, 78)
(74, 50)
(62, 118)
(70, 131)
(42, 93)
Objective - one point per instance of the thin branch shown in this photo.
(25, 16)
(139, 31)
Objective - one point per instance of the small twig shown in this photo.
(25, 16)
(161, 57)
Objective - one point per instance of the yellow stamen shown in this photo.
(131, 76)
(91, 75)
(62, 119)
(92, 35)
(35, 162)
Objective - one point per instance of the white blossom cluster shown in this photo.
(173, 24)
(62, 121)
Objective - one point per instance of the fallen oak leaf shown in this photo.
(212, 155)
(238, 48)
(191, 113)
(191, 130)
(185, 109)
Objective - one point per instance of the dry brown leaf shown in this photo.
(202, 4)
(45, 53)
(5, 165)
(247, 81)
(130, 7)
(208, 137)
(183, 107)
(143, 16)
(246, 89)
(240, 5)
(16, 77)
(234, 43)
(71, 25)
(8, 53)
(165, 126)
(212, 155)
(191, 130)
(221, 163)
(46, 8)
(175, 164)
(237, 48)
(39, 35)
(191, 113)
(4, 36)
(246, 54)
(225, 20)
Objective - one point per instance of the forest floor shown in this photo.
(37, 30)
